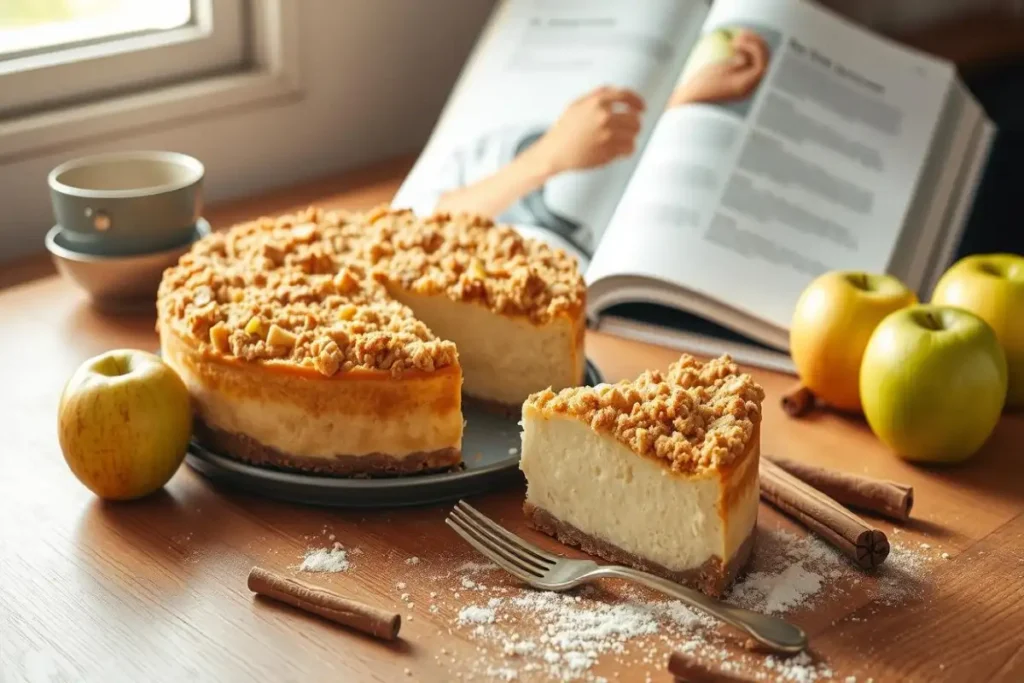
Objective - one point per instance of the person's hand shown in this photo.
(597, 128)
(730, 79)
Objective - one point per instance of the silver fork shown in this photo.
(543, 570)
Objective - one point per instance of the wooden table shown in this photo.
(155, 590)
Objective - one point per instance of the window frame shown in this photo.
(236, 52)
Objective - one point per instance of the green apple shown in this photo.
(992, 287)
(832, 322)
(715, 46)
(933, 382)
(124, 423)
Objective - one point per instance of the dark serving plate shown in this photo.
(490, 451)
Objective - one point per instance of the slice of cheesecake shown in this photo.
(659, 473)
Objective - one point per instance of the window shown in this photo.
(55, 53)
(76, 70)
(34, 26)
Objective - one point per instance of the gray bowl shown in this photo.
(125, 203)
(117, 282)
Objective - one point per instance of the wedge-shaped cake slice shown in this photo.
(659, 473)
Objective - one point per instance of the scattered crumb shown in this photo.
(413, 560)
(400, 585)
(945, 556)
(331, 537)
(925, 546)
(513, 451)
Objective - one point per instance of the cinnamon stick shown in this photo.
(687, 669)
(325, 603)
(798, 401)
(885, 497)
(866, 546)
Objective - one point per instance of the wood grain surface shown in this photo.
(155, 590)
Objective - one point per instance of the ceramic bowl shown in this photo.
(126, 203)
(117, 281)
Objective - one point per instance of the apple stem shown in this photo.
(931, 321)
(860, 280)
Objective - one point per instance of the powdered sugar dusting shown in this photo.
(575, 630)
(800, 668)
(331, 560)
(524, 634)
(540, 635)
(799, 568)
(476, 615)
(899, 579)
(474, 567)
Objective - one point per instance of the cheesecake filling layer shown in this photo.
(600, 487)
(357, 414)
(503, 358)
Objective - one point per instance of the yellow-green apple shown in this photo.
(715, 46)
(833, 320)
(933, 382)
(992, 287)
(124, 423)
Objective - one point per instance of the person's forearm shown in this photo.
(496, 193)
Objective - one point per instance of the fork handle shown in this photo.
(779, 635)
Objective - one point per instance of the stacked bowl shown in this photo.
(122, 218)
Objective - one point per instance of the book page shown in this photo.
(522, 137)
(799, 156)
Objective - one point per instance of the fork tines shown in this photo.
(508, 551)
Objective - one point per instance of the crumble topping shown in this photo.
(311, 288)
(469, 258)
(696, 416)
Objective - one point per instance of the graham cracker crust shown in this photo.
(372, 465)
(711, 578)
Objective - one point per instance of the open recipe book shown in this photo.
(705, 164)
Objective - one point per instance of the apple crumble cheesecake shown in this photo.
(341, 342)
(659, 473)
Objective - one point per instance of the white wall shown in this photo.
(375, 74)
